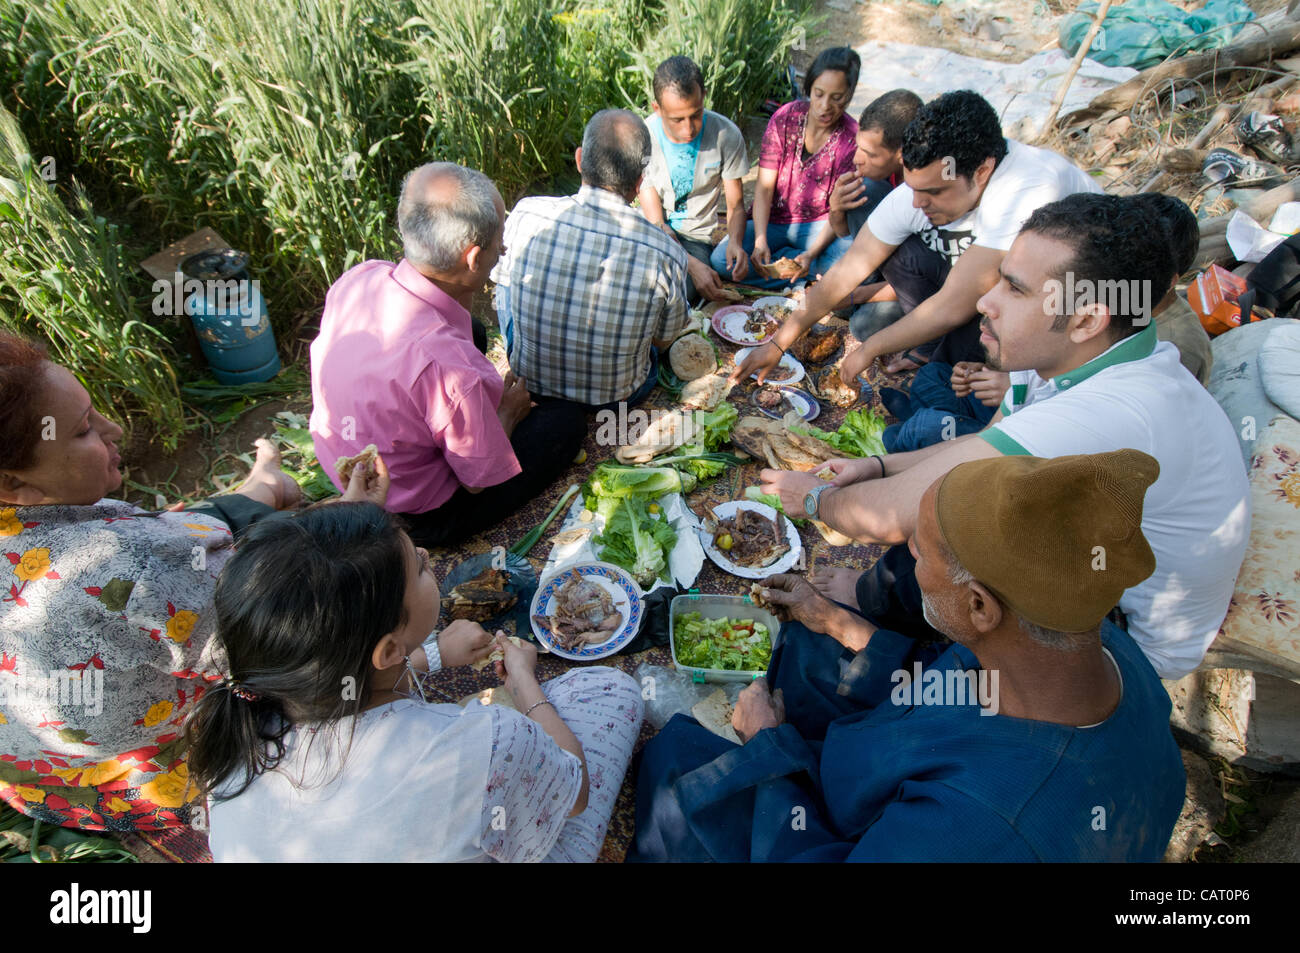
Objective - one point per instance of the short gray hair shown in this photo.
(959, 575)
(436, 233)
(615, 150)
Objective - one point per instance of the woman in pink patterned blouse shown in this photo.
(808, 144)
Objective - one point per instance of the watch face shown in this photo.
(810, 504)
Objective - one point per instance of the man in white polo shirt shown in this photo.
(938, 238)
(1070, 318)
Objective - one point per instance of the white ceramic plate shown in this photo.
(784, 564)
(729, 324)
(614, 580)
(804, 405)
(778, 300)
(787, 360)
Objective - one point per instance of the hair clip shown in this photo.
(243, 694)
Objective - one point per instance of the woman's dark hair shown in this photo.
(841, 58)
(1180, 225)
(1113, 254)
(300, 606)
(22, 376)
(961, 125)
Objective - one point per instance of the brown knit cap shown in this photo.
(1027, 529)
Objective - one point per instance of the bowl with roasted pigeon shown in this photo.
(587, 611)
(749, 539)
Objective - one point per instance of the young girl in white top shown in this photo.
(320, 746)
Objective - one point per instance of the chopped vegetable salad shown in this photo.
(736, 645)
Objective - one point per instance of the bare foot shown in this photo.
(838, 585)
(266, 482)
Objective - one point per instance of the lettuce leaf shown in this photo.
(859, 436)
(637, 541)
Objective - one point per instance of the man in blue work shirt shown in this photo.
(1041, 734)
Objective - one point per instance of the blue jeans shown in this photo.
(937, 413)
(784, 241)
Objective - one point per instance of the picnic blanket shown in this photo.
(1022, 93)
(458, 683)
(452, 685)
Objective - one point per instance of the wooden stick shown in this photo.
(1261, 98)
(1215, 123)
(1079, 54)
(1280, 35)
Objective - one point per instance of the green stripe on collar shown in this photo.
(1135, 347)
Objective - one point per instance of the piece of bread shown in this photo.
(344, 466)
(785, 268)
(705, 393)
(813, 446)
(495, 656)
(791, 454)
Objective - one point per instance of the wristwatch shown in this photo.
(810, 501)
(433, 653)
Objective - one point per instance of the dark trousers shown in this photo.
(937, 413)
(889, 596)
(700, 251)
(916, 273)
(545, 443)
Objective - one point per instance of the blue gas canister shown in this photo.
(229, 316)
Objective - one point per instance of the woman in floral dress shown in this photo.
(106, 612)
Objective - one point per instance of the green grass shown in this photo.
(63, 278)
(287, 125)
(27, 841)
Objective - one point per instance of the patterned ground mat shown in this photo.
(189, 846)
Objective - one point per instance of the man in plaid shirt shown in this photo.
(588, 291)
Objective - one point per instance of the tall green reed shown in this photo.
(62, 278)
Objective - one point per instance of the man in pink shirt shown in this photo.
(396, 365)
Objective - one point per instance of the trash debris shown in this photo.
(1267, 135)
(1225, 167)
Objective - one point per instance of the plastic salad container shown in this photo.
(718, 607)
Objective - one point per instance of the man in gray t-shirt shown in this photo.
(697, 158)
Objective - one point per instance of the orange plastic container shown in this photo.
(1213, 296)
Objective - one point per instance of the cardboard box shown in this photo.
(1213, 296)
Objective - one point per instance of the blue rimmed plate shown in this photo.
(614, 580)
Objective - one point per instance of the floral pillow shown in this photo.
(1264, 614)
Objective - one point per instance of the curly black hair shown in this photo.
(961, 125)
(1111, 239)
(891, 113)
(1180, 225)
(841, 58)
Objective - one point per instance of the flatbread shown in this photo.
(344, 466)
(496, 655)
(491, 696)
(811, 445)
(705, 393)
(786, 268)
(666, 432)
(714, 713)
(793, 456)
